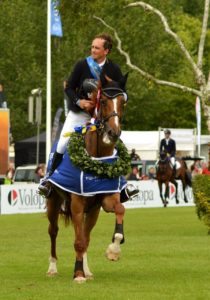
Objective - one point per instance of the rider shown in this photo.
(80, 106)
(168, 145)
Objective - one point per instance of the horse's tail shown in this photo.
(188, 178)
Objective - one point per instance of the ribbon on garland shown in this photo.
(82, 129)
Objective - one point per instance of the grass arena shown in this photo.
(165, 256)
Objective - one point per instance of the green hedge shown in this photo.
(201, 191)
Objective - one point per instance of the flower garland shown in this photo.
(80, 158)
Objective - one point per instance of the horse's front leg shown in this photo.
(53, 208)
(80, 244)
(112, 203)
(160, 184)
(166, 196)
(90, 221)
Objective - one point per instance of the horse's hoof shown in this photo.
(112, 256)
(89, 277)
(113, 252)
(80, 279)
(51, 273)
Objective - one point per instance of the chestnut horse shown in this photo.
(84, 211)
(166, 174)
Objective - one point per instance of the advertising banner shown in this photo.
(21, 198)
(149, 195)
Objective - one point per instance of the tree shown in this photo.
(202, 81)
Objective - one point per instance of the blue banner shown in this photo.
(56, 27)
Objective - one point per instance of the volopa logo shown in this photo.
(12, 197)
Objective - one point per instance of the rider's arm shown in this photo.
(73, 84)
(173, 153)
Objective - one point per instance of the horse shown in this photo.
(165, 174)
(83, 211)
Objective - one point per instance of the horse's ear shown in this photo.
(104, 79)
(123, 80)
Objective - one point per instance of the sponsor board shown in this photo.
(149, 195)
(21, 198)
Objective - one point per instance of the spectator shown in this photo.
(9, 175)
(196, 168)
(152, 173)
(3, 103)
(39, 173)
(134, 175)
(134, 155)
(205, 169)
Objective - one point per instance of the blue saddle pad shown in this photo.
(70, 178)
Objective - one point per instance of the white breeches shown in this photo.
(73, 119)
(173, 161)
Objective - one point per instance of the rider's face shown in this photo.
(98, 52)
(167, 135)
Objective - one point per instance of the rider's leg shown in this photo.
(72, 120)
(173, 162)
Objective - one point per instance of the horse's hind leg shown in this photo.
(176, 191)
(184, 191)
(80, 244)
(53, 207)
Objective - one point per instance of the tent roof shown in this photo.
(149, 140)
(42, 138)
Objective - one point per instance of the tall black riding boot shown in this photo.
(128, 193)
(56, 160)
(174, 170)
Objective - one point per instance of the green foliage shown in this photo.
(201, 190)
(81, 159)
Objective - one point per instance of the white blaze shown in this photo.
(115, 109)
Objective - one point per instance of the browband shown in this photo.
(111, 92)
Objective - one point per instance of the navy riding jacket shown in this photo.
(168, 146)
(81, 72)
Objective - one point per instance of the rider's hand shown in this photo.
(168, 154)
(87, 105)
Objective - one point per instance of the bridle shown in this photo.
(111, 93)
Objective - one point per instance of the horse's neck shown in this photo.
(96, 147)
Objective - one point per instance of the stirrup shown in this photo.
(44, 191)
(131, 191)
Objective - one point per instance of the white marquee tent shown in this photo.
(146, 143)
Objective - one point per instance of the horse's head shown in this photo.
(163, 156)
(111, 101)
